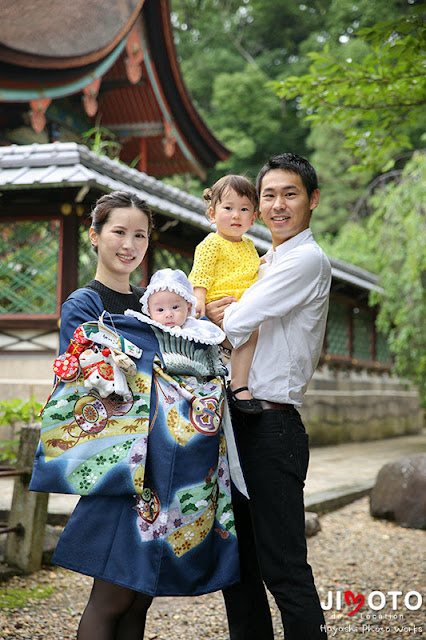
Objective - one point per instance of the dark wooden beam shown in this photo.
(68, 257)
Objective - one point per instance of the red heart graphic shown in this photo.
(351, 599)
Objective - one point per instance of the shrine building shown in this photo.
(115, 73)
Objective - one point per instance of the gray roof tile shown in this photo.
(69, 164)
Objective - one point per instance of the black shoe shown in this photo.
(245, 406)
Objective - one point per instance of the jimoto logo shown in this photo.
(375, 600)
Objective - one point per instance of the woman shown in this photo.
(115, 538)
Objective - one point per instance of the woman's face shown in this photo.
(121, 244)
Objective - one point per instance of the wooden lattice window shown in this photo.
(86, 257)
(382, 348)
(338, 329)
(29, 266)
(363, 329)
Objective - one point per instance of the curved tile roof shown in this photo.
(145, 102)
(73, 165)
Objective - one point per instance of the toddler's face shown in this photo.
(233, 215)
(168, 308)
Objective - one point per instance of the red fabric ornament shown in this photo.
(67, 367)
(74, 348)
(80, 337)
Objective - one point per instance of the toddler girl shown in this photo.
(226, 264)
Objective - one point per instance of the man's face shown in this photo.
(285, 206)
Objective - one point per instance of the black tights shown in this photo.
(114, 613)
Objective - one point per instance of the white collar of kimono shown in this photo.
(201, 331)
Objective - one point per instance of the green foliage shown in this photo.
(377, 100)
(236, 97)
(376, 104)
(228, 50)
(102, 141)
(399, 226)
(15, 413)
(16, 598)
(185, 182)
(391, 244)
(340, 188)
(353, 244)
(251, 42)
(9, 451)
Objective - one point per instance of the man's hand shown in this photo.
(215, 310)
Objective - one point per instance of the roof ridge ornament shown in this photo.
(169, 140)
(37, 113)
(135, 56)
(90, 94)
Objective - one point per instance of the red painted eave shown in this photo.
(159, 33)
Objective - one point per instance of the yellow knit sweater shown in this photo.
(224, 268)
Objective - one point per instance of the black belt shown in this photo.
(277, 406)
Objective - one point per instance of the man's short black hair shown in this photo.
(293, 163)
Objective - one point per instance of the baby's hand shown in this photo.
(263, 260)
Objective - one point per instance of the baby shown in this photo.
(169, 305)
(169, 298)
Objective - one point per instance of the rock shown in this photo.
(51, 537)
(312, 524)
(399, 493)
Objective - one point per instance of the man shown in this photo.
(289, 305)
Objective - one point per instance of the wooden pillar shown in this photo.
(68, 252)
(373, 338)
(351, 331)
(24, 548)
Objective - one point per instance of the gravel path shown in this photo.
(352, 553)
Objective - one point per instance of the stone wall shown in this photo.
(340, 405)
(349, 405)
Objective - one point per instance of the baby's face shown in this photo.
(168, 308)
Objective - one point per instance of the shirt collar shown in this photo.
(283, 248)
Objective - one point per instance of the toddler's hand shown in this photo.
(200, 309)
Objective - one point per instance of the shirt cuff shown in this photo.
(235, 337)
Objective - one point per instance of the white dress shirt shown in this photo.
(289, 304)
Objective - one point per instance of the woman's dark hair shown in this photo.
(293, 163)
(240, 184)
(118, 200)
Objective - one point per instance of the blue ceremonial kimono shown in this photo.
(155, 513)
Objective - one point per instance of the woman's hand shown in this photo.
(215, 310)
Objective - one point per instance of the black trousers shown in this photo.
(274, 451)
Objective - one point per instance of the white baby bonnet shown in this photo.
(170, 280)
